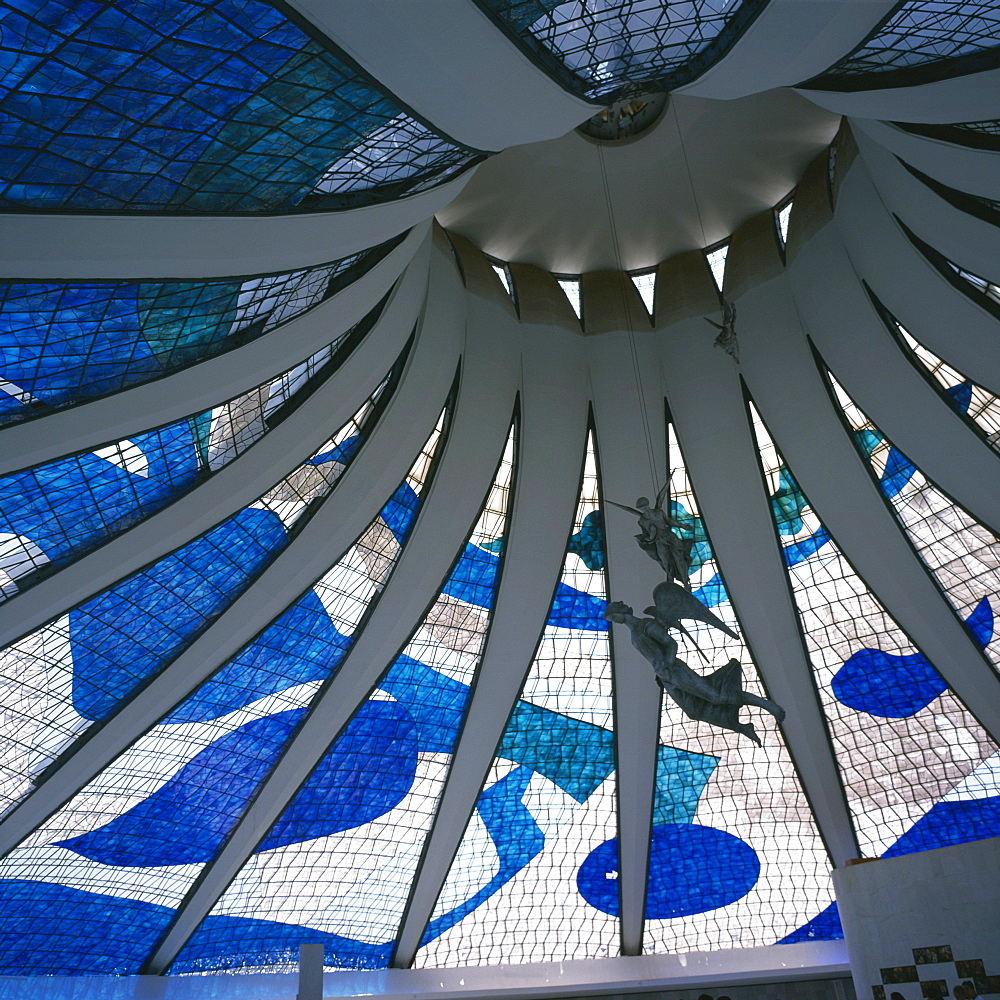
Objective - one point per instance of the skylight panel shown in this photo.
(571, 286)
(717, 262)
(781, 218)
(988, 289)
(501, 273)
(645, 284)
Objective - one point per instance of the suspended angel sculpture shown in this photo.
(727, 331)
(715, 699)
(657, 539)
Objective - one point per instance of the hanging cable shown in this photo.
(629, 328)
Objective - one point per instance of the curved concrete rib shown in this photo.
(359, 494)
(506, 99)
(232, 487)
(876, 373)
(476, 441)
(958, 235)
(628, 403)
(949, 322)
(215, 380)
(793, 401)
(706, 403)
(966, 98)
(45, 247)
(553, 438)
(962, 167)
(789, 41)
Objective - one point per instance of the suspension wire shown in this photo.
(690, 176)
(629, 327)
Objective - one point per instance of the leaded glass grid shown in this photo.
(198, 106)
(962, 555)
(902, 739)
(976, 135)
(737, 857)
(63, 343)
(137, 837)
(979, 406)
(349, 889)
(920, 40)
(78, 669)
(514, 892)
(52, 514)
(600, 49)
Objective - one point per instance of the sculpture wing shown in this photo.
(674, 603)
(623, 506)
(662, 494)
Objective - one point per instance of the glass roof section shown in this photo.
(979, 135)
(64, 343)
(350, 887)
(902, 738)
(920, 40)
(79, 669)
(737, 859)
(601, 49)
(978, 405)
(548, 803)
(124, 852)
(148, 726)
(201, 106)
(959, 551)
(53, 514)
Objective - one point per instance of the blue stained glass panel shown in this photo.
(550, 790)
(200, 105)
(80, 668)
(169, 802)
(63, 343)
(352, 884)
(66, 508)
(901, 737)
(764, 869)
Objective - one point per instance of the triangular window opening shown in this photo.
(716, 257)
(571, 286)
(645, 284)
(782, 215)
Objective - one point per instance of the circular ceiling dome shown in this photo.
(625, 119)
(328, 613)
(699, 172)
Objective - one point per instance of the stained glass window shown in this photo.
(902, 739)
(597, 49)
(961, 553)
(521, 886)
(737, 860)
(129, 846)
(63, 343)
(79, 668)
(52, 514)
(346, 879)
(197, 106)
(920, 40)
(978, 135)
(980, 406)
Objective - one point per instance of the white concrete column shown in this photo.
(454, 67)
